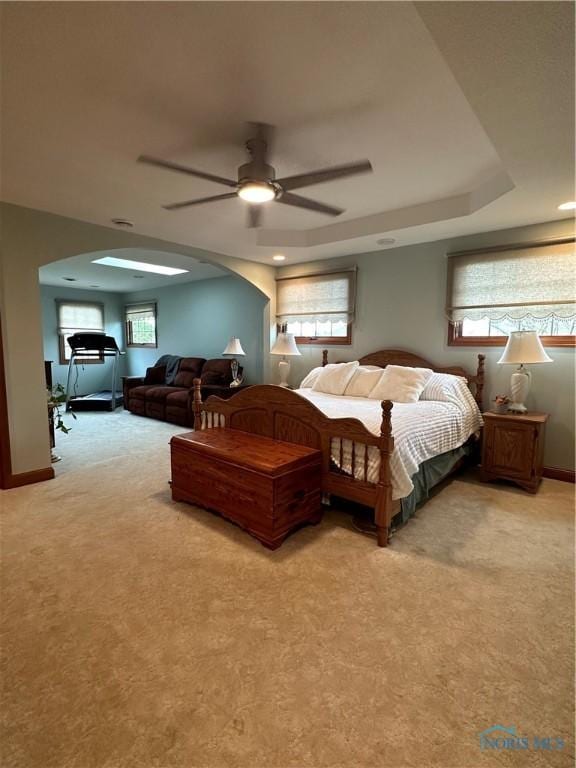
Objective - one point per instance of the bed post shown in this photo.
(480, 380)
(324, 357)
(197, 405)
(383, 508)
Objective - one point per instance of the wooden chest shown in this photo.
(266, 486)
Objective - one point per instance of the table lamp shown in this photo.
(522, 347)
(234, 348)
(285, 346)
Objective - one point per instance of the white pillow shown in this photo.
(443, 387)
(363, 381)
(401, 384)
(309, 380)
(446, 388)
(333, 379)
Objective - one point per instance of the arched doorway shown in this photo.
(31, 240)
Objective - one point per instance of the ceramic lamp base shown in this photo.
(519, 387)
(284, 370)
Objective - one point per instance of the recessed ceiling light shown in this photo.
(279, 257)
(159, 269)
(386, 241)
(568, 206)
(70, 279)
(123, 223)
(94, 286)
(138, 277)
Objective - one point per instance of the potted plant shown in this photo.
(501, 403)
(56, 396)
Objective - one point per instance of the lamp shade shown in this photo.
(234, 347)
(524, 347)
(285, 345)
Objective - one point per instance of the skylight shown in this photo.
(159, 269)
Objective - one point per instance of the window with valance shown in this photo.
(318, 308)
(526, 287)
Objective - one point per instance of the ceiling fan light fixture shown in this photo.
(257, 192)
(257, 183)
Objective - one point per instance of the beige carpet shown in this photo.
(141, 633)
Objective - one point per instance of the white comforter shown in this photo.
(421, 430)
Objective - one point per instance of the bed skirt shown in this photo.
(430, 473)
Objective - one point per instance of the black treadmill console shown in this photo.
(92, 342)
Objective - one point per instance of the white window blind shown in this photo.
(532, 282)
(76, 316)
(321, 297)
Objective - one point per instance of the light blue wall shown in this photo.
(400, 304)
(197, 319)
(95, 376)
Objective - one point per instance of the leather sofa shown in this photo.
(151, 396)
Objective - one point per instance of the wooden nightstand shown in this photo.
(513, 448)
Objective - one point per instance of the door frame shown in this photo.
(7, 478)
(5, 463)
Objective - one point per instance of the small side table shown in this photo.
(513, 448)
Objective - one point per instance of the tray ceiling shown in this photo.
(464, 109)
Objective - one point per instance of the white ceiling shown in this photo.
(89, 276)
(464, 109)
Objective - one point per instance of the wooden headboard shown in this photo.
(385, 357)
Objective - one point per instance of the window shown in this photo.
(75, 317)
(514, 288)
(141, 325)
(318, 309)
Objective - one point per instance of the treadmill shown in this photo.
(94, 346)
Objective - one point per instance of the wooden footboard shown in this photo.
(284, 415)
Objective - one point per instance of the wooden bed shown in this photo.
(279, 413)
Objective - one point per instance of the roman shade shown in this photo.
(141, 324)
(536, 281)
(76, 316)
(326, 296)
(141, 311)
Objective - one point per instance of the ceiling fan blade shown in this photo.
(184, 169)
(254, 216)
(324, 174)
(312, 205)
(199, 201)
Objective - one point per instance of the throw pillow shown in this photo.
(363, 382)
(310, 379)
(333, 379)
(401, 384)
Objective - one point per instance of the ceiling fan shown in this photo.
(257, 182)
